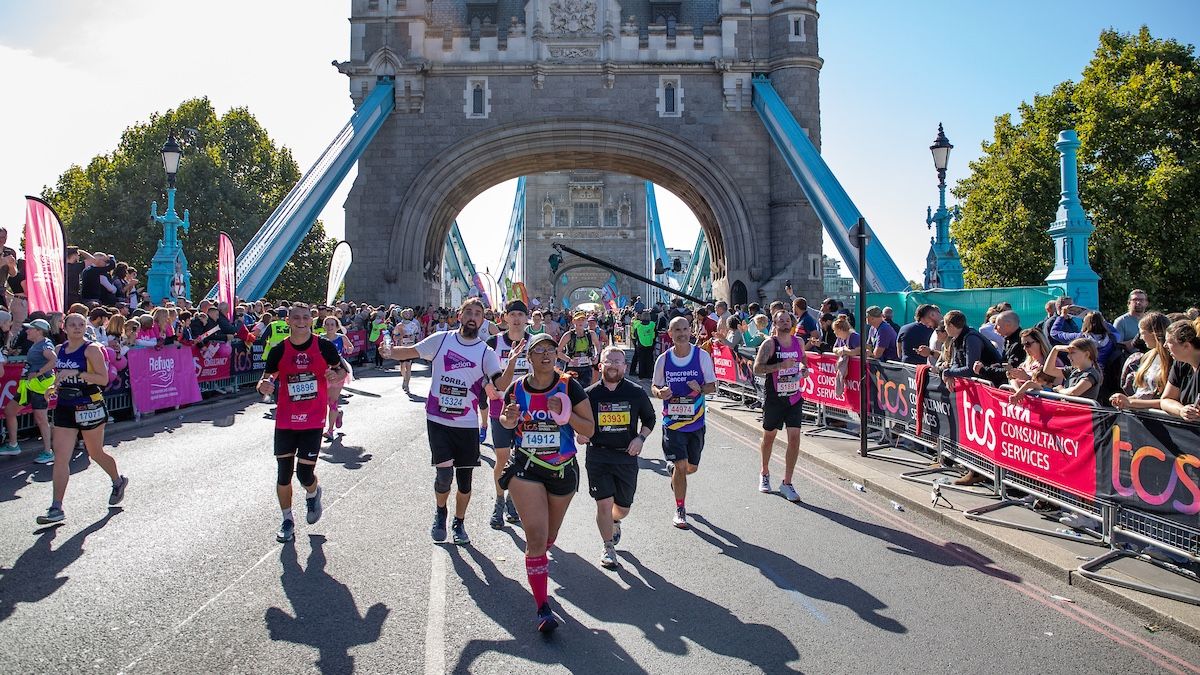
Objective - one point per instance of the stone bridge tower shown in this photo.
(487, 90)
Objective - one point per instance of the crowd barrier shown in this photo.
(147, 380)
(1136, 474)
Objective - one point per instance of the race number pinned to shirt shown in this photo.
(302, 386)
(452, 400)
(614, 417)
(681, 406)
(92, 413)
(541, 435)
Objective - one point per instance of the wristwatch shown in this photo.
(642, 437)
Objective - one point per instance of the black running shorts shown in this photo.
(453, 443)
(561, 482)
(778, 413)
(305, 443)
(618, 481)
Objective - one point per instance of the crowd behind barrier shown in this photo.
(1136, 473)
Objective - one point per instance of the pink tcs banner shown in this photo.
(821, 384)
(1049, 440)
(162, 378)
(359, 338)
(226, 271)
(45, 257)
(724, 363)
(213, 361)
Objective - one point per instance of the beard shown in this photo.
(469, 331)
(612, 375)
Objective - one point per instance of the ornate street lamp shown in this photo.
(169, 277)
(943, 269)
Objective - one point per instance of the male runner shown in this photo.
(407, 333)
(578, 349)
(306, 364)
(781, 358)
(683, 375)
(624, 418)
(462, 365)
(509, 347)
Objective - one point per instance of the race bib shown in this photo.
(541, 435)
(90, 414)
(681, 406)
(452, 400)
(787, 380)
(581, 362)
(301, 387)
(614, 417)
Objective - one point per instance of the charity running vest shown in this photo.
(684, 411)
(786, 383)
(457, 383)
(544, 441)
(503, 349)
(303, 398)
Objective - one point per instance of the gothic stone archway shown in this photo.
(480, 102)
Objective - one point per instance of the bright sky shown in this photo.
(77, 72)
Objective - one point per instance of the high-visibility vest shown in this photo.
(277, 331)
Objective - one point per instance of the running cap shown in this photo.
(540, 337)
(516, 306)
(39, 324)
(579, 315)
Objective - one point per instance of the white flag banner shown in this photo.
(338, 266)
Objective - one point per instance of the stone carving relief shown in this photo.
(573, 52)
(624, 211)
(573, 16)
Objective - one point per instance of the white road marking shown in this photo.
(435, 628)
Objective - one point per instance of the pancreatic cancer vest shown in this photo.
(302, 387)
(684, 411)
(547, 443)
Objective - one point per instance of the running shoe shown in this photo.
(118, 491)
(10, 450)
(313, 504)
(680, 520)
(511, 512)
(438, 531)
(329, 436)
(482, 434)
(497, 521)
(44, 457)
(287, 531)
(616, 532)
(764, 484)
(337, 422)
(546, 623)
(52, 516)
(460, 532)
(789, 492)
(670, 468)
(608, 559)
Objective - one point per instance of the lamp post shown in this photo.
(860, 238)
(943, 267)
(169, 276)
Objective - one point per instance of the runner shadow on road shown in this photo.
(510, 604)
(792, 577)
(19, 475)
(349, 456)
(326, 616)
(950, 554)
(35, 575)
(669, 616)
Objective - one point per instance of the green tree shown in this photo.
(1137, 111)
(231, 178)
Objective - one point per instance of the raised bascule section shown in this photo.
(714, 100)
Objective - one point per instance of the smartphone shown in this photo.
(788, 282)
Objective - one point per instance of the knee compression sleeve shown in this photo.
(306, 473)
(463, 478)
(284, 473)
(441, 482)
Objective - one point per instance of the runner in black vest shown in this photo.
(578, 349)
(781, 359)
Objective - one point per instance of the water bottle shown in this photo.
(859, 486)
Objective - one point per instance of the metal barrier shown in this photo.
(1116, 525)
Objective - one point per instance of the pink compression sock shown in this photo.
(538, 571)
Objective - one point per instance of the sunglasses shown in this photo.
(544, 350)
(1028, 344)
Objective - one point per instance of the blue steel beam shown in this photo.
(261, 261)
(828, 198)
(510, 255)
(459, 256)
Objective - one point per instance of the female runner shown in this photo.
(546, 408)
(335, 333)
(80, 380)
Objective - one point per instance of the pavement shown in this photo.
(186, 576)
